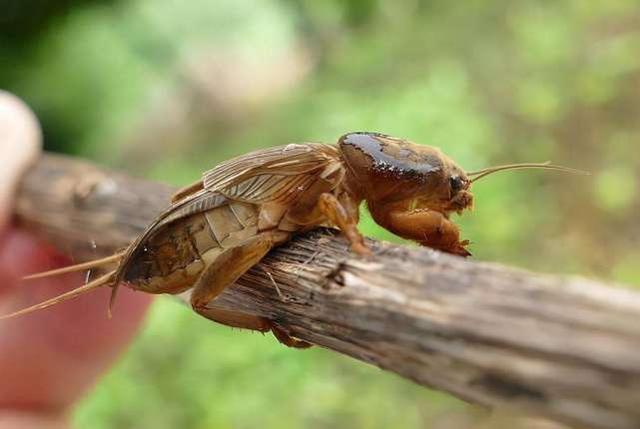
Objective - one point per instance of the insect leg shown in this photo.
(284, 338)
(235, 319)
(227, 267)
(270, 215)
(223, 272)
(344, 219)
(255, 323)
(429, 228)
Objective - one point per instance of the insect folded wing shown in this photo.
(277, 174)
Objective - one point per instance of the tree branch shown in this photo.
(564, 348)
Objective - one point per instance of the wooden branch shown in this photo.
(564, 348)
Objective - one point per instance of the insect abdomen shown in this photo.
(171, 260)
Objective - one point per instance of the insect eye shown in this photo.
(456, 183)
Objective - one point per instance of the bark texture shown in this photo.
(561, 347)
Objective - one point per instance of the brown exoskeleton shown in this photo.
(222, 225)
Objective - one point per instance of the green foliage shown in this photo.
(488, 82)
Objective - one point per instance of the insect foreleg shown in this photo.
(429, 228)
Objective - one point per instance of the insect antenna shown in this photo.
(533, 165)
(78, 267)
(104, 280)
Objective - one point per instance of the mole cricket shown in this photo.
(220, 226)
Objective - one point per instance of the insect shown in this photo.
(219, 227)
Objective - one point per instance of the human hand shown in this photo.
(50, 358)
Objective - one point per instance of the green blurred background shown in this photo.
(166, 89)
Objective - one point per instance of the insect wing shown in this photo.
(276, 174)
